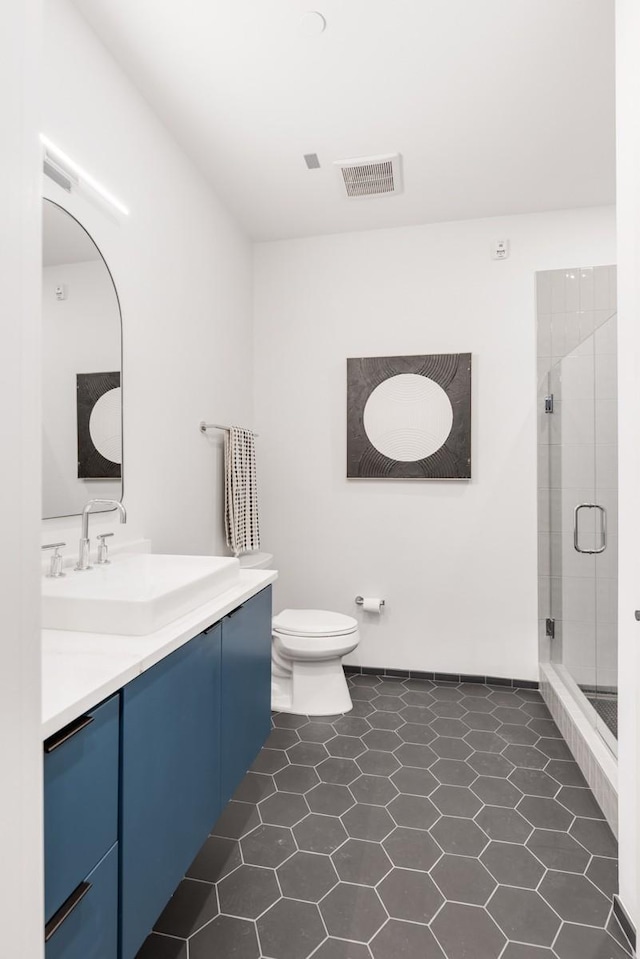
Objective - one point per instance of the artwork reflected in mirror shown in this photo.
(82, 369)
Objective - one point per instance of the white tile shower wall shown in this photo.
(571, 304)
(456, 562)
(183, 272)
(589, 630)
(577, 464)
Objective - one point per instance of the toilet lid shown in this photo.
(313, 622)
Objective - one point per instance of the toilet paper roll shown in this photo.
(372, 604)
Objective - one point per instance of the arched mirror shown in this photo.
(82, 369)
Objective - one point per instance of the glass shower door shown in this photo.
(573, 520)
(583, 522)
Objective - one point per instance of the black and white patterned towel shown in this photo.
(241, 491)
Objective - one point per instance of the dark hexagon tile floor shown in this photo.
(436, 821)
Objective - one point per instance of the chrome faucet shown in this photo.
(85, 543)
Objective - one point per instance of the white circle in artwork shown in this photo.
(105, 425)
(408, 417)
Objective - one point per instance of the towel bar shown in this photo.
(214, 426)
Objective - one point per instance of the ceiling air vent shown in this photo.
(371, 176)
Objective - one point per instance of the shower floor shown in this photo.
(606, 706)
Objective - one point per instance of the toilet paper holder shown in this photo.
(360, 601)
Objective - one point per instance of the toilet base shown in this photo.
(311, 689)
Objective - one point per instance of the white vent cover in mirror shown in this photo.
(371, 176)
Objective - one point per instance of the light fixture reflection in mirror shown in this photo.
(82, 369)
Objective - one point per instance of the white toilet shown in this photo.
(306, 661)
(306, 656)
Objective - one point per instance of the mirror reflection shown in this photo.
(82, 366)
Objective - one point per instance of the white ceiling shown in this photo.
(63, 239)
(497, 106)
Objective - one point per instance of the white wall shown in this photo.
(628, 176)
(20, 743)
(80, 334)
(455, 561)
(183, 273)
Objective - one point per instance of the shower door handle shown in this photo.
(603, 529)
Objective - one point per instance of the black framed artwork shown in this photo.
(409, 417)
(99, 415)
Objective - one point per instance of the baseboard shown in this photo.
(624, 921)
(442, 677)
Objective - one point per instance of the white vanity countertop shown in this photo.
(79, 670)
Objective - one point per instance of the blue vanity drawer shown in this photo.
(86, 925)
(81, 777)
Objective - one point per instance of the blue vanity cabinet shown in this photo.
(246, 687)
(81, 775)
(88, 922)
(134, 786)
(170, 779)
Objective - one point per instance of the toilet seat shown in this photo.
(314, 648)
(315, 624)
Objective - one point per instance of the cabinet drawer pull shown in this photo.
(234, 611)
(66, 909)
(67, 733)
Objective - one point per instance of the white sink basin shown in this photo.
(135, 594)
